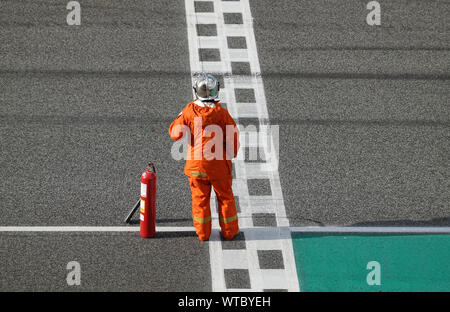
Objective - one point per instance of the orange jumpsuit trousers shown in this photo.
(201, 211)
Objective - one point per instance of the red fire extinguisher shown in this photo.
(147, 214)
(146, 203)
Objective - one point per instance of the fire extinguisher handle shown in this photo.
(151, 165)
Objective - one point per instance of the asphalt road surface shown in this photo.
(364, 118)
(363, 111)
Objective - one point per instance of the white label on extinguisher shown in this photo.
(144, 190)
(142, 217)
(142, 206)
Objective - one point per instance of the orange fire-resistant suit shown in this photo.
(207, 165)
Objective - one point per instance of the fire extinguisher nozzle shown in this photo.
(151, 166)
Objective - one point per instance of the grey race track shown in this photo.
(363, 114)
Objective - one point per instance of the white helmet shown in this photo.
(206, 88)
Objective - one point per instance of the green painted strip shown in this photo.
(339, 262)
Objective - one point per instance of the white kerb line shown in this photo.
(293, 229)
(92, 229)
(372, 229)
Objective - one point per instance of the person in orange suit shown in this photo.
(213, 140)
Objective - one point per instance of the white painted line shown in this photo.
(375, 229)
(255, 233)
(236, 290)
(235, 259)
(216, 261)
(274, 203)
(273, 278)
(92, 229)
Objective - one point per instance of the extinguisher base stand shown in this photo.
(132, 211)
